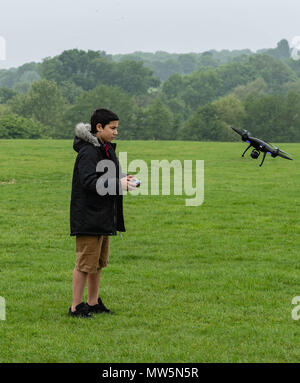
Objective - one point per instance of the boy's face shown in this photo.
(109, 132)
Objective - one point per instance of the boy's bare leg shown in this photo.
(93, 288)
(79, 281)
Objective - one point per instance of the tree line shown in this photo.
(199, 100)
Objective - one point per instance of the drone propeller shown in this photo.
(237, 131)
(281, 153)
(243, 133)
(283, 156)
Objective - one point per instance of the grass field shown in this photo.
(212, 283)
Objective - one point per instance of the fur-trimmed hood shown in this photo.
(82, 135)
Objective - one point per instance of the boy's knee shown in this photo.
(80, 271)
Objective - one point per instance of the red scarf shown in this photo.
(106, 149)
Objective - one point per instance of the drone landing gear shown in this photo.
(263, 159)
(246, 150)
(255, 154)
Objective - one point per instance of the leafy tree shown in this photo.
(295, 66)
(263, 114)
(8, 77)
(178, 106)
(291, 86)
(19, 104)
(274, 72)
(282, 51)
(25, 73)
(290, 118)
(6, 94)
(206, 125)
(274, 117)
(43, 102)
(71, 65)
(196, 89)
(173, 86)
(13, 126)
(157, 122)
(225, 56)
(133, 77)
(102, 71)
(207, 60)
(234, 74)
(4, 108)
(100, 97)
(187, 62)
(70, 91)
(28, 77)
(200, 88)
(164, 69)
(89, 69)
(230, 110)
(256, 88)
(22, 87)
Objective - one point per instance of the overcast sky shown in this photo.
(35, 29)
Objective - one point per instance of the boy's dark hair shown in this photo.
(103, 117)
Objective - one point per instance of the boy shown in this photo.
(94, 216)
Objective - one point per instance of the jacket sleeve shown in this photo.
(88, 176)
(87, 164)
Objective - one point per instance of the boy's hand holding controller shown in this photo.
(130, 182)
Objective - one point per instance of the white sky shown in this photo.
(35, 29)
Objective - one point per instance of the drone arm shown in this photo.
(246, 150)
(263, 158)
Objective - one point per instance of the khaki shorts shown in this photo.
(92, 253)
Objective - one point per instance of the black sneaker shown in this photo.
(81, 310)
(99, 308)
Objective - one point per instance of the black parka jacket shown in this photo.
(90, 212)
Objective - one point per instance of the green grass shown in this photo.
(212, 283)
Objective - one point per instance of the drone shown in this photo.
(260, 146)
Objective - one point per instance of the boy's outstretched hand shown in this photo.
(125, 182)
